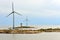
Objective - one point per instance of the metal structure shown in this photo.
(26, 21)
(13, 12)
(21, 24)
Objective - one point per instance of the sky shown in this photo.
(38, 12)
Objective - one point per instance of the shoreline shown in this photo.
(16, 31)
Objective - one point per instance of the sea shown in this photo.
(38, 36)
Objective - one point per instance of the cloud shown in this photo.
(56, 2)
(36, 8)
(41, 10)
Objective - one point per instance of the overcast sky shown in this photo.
(38, 12)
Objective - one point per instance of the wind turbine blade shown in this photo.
(9, 14)
(12, 6)
(18, 13)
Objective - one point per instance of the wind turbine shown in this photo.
(13, 13)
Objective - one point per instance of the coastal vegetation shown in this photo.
(17, 31)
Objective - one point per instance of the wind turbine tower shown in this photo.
(13, 13)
